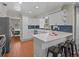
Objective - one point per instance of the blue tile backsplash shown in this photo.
(33, 26)
(63, 28)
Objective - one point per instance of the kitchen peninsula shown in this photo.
(43, 41)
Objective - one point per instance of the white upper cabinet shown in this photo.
(24, 28)
(57, 18)
(42, 22)
(34, 21)
(3, 11)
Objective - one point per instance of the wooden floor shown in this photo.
(20, 49)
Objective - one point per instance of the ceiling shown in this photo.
(29, 8)
(44, 7)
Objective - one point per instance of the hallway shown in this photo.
(20, 49)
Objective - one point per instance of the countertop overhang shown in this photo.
(45, 37)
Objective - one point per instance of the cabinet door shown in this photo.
(25, 27)
(42, 22)
(56, 18)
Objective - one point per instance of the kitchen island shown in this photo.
(43, 41)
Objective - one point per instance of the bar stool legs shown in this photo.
(69, 50)
(54, 50)
(65, 52)
(76, 49)
(73, 45)
(66, 49)
(72, 48)
(50, 49)
(47, 53)
(61, 47)
(55, 55)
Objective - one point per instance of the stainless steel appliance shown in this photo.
(2, 45)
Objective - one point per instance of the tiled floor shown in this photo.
(20, 49)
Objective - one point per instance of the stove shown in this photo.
(2, 45)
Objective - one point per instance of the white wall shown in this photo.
(25, 33)
(70, 10)
(13, 14)
(3, 11)
(77, 27)
(34, 21)
(42, 22)
(56, 18)
(15, 23)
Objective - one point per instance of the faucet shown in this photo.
(55, 27)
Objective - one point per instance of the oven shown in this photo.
(17, 32)
(2, 45)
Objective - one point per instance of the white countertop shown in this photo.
(46, 37)
(2, 35)
(17, 29)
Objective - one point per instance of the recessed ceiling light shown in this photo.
(30, 11)
(37, 7)
(20, 2)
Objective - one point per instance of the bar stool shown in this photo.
(72, 46)
(69, 47)
(64, 49)
(61, 47)
(54, 50)
(67, 50)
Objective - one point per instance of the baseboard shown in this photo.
(26, 39)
